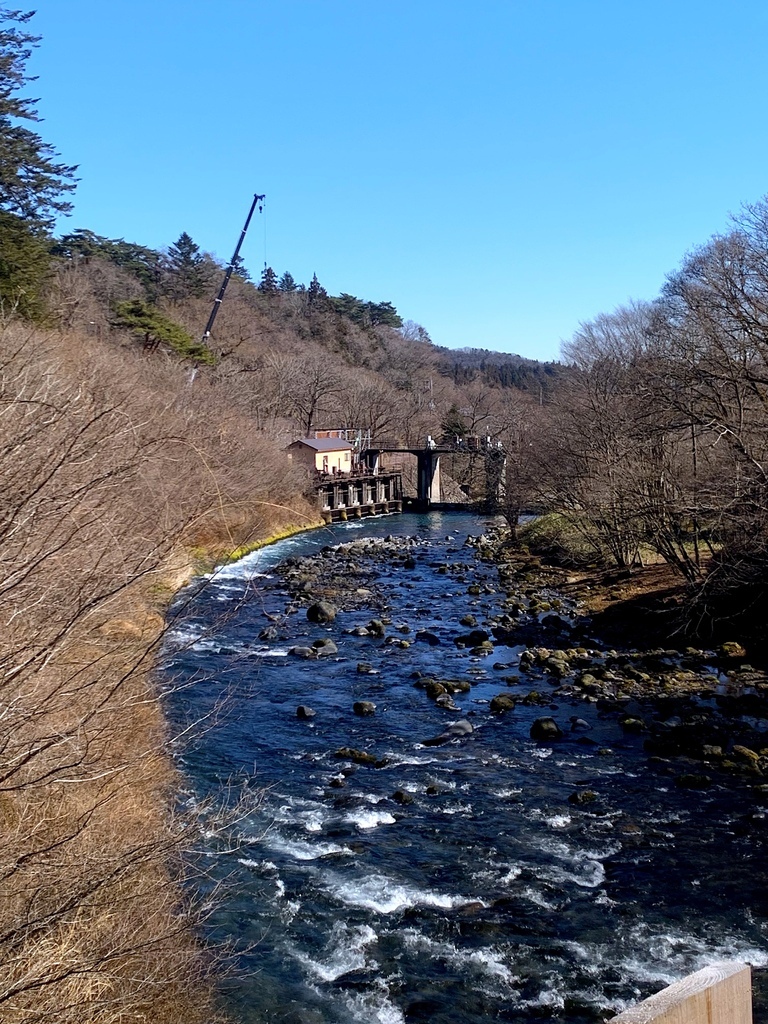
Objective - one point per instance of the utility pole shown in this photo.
(217, 301)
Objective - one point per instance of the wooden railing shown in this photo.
(719, 994)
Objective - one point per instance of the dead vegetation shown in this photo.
(111, 471)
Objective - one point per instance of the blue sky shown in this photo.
(499, 171)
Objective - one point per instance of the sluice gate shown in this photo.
(353, 497)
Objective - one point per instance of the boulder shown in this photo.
(555, 622)
(545, 730)
(457, 685)
(376, 628)
(582, 796)
(557, 665)
(691, 780)
(633, 724)
(360, 757)
(364, 707)
(304, 712)
(435, 689)
(325, 648)
(402, 796)
(731, 651)
(302, 652)
(533, 697)
(502, 702)
(456, 731)
(447, 703)
(424, 636)
(747, 757)
(321, 611)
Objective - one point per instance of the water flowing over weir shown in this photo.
(452, 883)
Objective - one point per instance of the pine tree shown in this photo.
(24, 267)
(155, 329)
(287, 282)
(316, 295)
(268, 283)
(186, 267)
(239, 268)
(33, 184)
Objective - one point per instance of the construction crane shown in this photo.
(257, 201)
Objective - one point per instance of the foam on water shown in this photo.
(488, 960)
(505, 793)
(366, 819)
(304, 851)
(344, 951)
(537, 897)
(383, 895)
(374, 1007)
(548, 818)
(306, 813)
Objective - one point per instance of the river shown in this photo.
(453, 883)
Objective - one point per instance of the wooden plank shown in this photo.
(718, 994)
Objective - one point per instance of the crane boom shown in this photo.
(217, 301)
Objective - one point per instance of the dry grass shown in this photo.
(109, 471)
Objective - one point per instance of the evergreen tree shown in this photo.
(186, 267)
(454, 424)
(383, 313)
(155, 329)
(316, 294)
(268, 283)
(33, 184)
(239, 268)
(287, 282)
(83, 244)
(24, 266)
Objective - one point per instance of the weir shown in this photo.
(355, 496)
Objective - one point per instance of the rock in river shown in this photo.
(545, 729)
(502, 702)
(321, 611)
(364, 707)
(302, 652)
(454, 732)
(325, 648)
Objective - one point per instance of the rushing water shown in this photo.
(489, 897)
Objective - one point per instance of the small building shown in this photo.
(323, 454)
